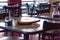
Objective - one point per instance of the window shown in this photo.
(3, 3)
(36, 2)
(27, 1)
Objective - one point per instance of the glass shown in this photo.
(8, 21)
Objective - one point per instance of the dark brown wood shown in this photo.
(44, 8)
(13, 9)
(51, 26)
(51, 29)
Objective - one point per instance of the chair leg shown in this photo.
(53, 37)
(39, 36)
(49, 37)
(43, 35)
(12, 33)
(58, 36)
(6, 33)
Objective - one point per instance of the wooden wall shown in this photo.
(51, 1)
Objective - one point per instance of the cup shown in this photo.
(8, 21)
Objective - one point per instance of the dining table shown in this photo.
(28, 25)
(24, 25)
(49, 18)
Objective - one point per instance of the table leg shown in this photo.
(12, 33)
(26, 36)
(43, 35)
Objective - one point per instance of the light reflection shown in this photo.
(28, 30)
(2, 24)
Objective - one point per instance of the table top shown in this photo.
(29, 29)
(48, 18)
(32, 28)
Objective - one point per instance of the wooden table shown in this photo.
(33, 28)
(50, 19)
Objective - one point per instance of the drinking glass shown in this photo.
(8, 21)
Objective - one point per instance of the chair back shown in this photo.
(45, 8)
(30, 7)
(50, 25)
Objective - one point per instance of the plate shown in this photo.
(27, 20)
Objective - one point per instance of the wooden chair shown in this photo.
(51, 30)
(44, 8)
(13, 10)
(31, 10)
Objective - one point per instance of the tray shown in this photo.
(27, 20)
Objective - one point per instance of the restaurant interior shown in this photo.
(29, 19)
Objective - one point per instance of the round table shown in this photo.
(33, 28)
